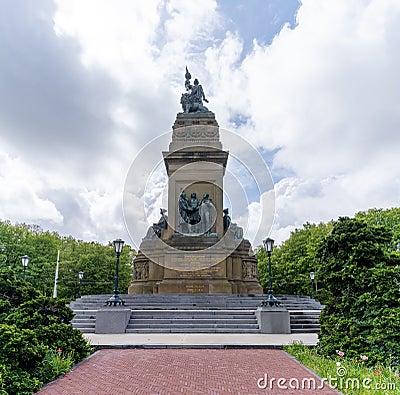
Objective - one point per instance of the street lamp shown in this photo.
(312, 277)
(25, 261)
(80, 276)
(271, 300)
(115, 299)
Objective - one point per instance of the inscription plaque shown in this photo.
(195, 289)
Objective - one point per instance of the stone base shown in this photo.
(235, 274)
(273, 319)
(112, 320)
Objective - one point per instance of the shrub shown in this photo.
(361, 292)
(14, 290)
(40, 311)
(20, 346)
(66, 338)
(18, 381)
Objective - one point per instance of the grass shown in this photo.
(349, 376)
(55, 364)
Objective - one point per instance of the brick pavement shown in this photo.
(184, 371)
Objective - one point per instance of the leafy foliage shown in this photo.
(357, 268)
(30, 331)
(352, 376)
(66, 338)
(293, 261)
(15, 291)
(95, 260)
(361, 291)
(40, 311)
(54, 364)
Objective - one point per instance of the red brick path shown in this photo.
(184, 371)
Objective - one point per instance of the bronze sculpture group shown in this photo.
(197, 216)
(192, 100)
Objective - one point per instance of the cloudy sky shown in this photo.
(85, 85)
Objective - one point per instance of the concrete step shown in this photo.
(192, 330)
(304, 321)
(86, 330)
(194, 325)
(304, 330)
(83, 325)
(193, 321)
(193, 313)
(183, 321)
(83, 320)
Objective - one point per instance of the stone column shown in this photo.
(195, 162)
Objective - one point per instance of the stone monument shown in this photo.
(196, 248)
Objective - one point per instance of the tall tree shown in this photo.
(95, 260)
(293, 261)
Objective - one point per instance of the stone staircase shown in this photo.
(193, 321)
(197, 313)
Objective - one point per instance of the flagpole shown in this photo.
(56, 276)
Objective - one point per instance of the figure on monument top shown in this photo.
(193, 101)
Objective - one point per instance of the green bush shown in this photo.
(5, 309)
(18, 381)
(20, 346)
(14, 290)
(361, 292)
(66, 338)
(32, 328)
(40, 311)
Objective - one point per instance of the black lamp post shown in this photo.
(271, 300)
(115, 299)
(25, 261)
(80, 276)
(312, 277)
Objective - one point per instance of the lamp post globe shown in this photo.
(312, 277)
(80, 277)
(25, 260)
(271, 300)
(115, 300)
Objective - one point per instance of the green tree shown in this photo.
(360, 291)
(293, 261)
(389, 218)
(95, 260)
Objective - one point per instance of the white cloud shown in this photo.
(86, 84)
(23, 194)
(326, 95)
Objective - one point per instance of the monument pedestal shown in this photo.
(201, 256)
